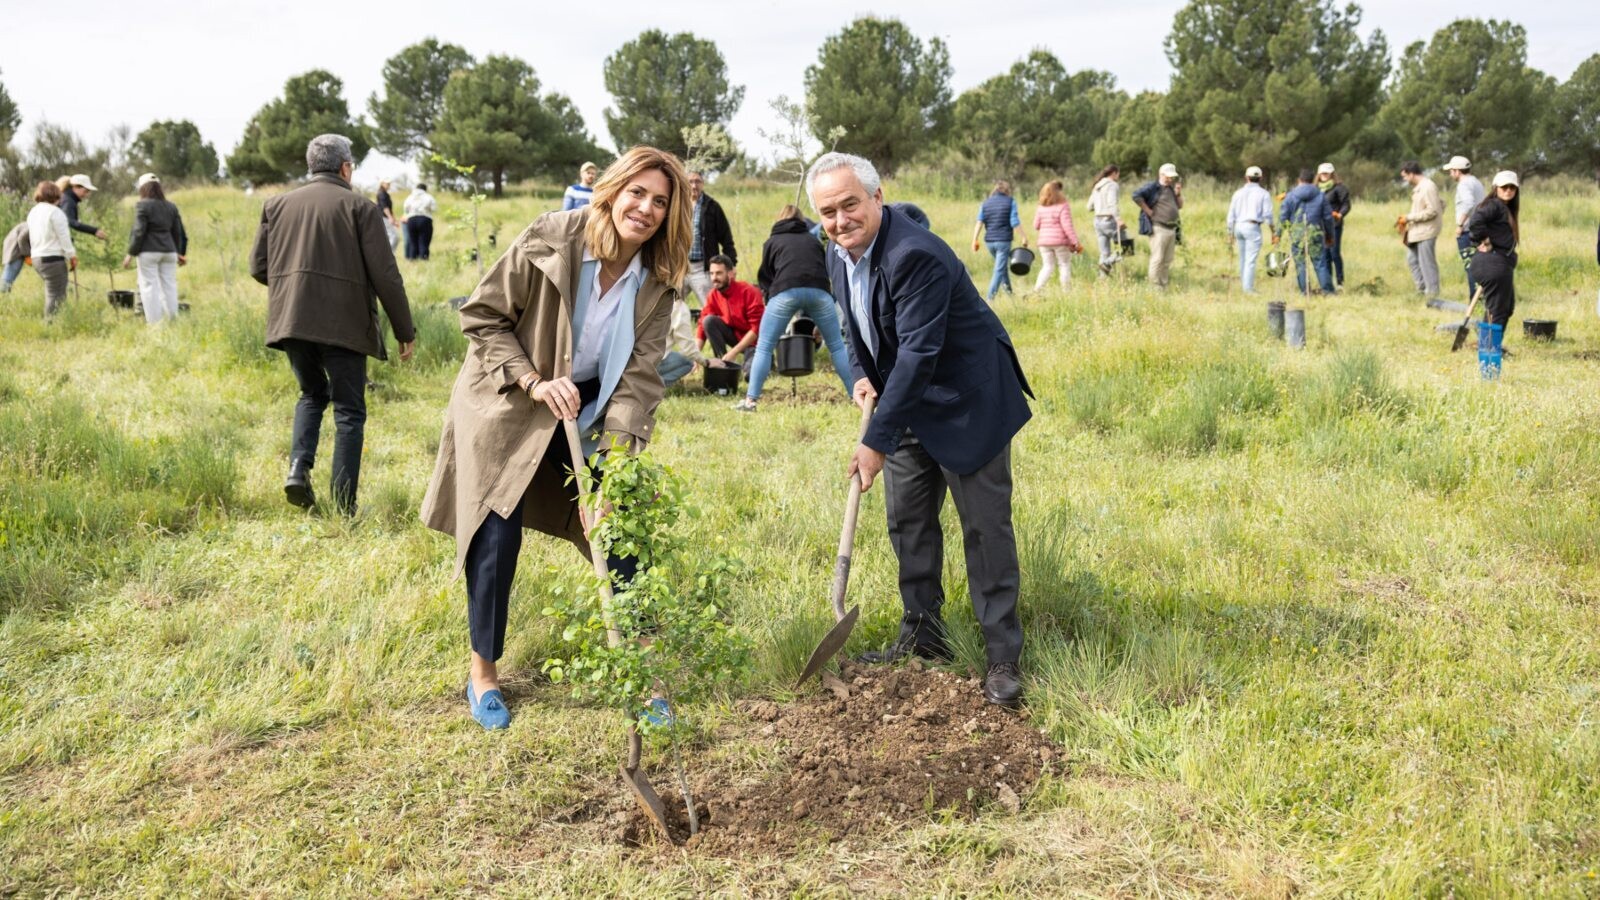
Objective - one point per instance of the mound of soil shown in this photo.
(880, 749)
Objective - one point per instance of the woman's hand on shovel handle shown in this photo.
(560, 394)
(866, 463)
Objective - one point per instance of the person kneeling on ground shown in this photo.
(731, 316)
(950, 396)
(569, 324)
(794, 278)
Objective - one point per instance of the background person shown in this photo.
(15, 253)
(731, 317)
(578, 195)
(391, 225)
(1058, 240)
(322, 253)
(683, 351)
(1103, 200)
(420, 209)
(78, 188)
(711, 236)
(1310, 227)
(950, 397)
(1420, 230)
(50, 242)
(1494, 229)
(794, 278)
(503, 460)
(1159, 204)
(1338, 195)
(998, 220)
(1469, 193)
(160, 245)
(1250, 208)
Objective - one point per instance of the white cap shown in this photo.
(1501, 179)
(1458, 162)
(1325, 169)
(1253, 172)
(83, 182)
(146, 178)
(1168, 170)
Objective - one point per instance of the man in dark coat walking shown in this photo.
(950, 395)
(322, 252)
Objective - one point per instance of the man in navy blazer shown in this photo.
(950, 395)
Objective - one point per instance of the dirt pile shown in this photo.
(883, 748)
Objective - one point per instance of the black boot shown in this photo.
(297, 487)
(936, 651)
(1003, 685)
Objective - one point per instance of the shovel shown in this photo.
(844, 622)
(1461, 333)
(649, 801)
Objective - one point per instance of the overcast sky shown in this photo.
(105, 62)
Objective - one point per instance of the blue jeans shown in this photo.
(13, 269)
(673, 367)
(1319, 262)
(814, 302)
(1248, 237)
(1002, 275)
(1336, 255)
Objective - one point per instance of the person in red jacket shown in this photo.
(731, 316)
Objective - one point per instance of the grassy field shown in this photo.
(1324, 622)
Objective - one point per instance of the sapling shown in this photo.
(679, 641)
(104, 255)
(475, 196)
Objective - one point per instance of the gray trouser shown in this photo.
(54, 273)
(1105, 228)
(698, 283)
(1424, 267)
(914, 488)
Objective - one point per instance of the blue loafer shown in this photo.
(659, 713)
(489, 710)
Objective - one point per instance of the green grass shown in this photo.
(1323, 621)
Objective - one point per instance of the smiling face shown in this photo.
(849, 214)
(641, 208)
(721, 275)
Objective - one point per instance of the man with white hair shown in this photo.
(323, 254)
(950, 395)
(1159, 202)
(1469, 193)
(1250, 208)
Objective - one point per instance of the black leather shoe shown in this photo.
(1003, 685)
(900, 649)
(297, 487)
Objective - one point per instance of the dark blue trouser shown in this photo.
(1336, 253)
(328, 373)
(419, 236)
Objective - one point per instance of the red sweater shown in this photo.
(740, 306)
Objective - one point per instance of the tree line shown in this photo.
(1274, 83)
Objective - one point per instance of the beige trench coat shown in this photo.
(1422, 222)
(519, 320)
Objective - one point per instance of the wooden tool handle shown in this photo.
(590, 515)
(847, 535)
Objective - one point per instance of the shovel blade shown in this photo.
(831, 644)
(1461, 339)
(647, 798)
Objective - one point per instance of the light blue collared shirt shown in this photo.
(859, 276)
(599, 313)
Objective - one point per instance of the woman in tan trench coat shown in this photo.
(570, 323)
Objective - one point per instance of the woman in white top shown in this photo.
(1103, 201)
(51, 240)
(419, 210)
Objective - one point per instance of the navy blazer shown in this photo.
(945, 366)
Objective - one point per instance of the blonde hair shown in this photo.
(666, 254)
(63, 183)
(789, 211)
(1051, 195)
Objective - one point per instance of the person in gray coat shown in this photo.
(322, 253)
(160, 245)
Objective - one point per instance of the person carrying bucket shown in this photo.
(998, 220)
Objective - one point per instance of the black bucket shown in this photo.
(796, 355)
(1275, 320)
(120, 299)
(1539, 329)
(721, 379)
(803, 326)
(1021, 260)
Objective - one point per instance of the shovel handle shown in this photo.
(847, 534)
(587, 512)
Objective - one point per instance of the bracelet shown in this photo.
(532, 383)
